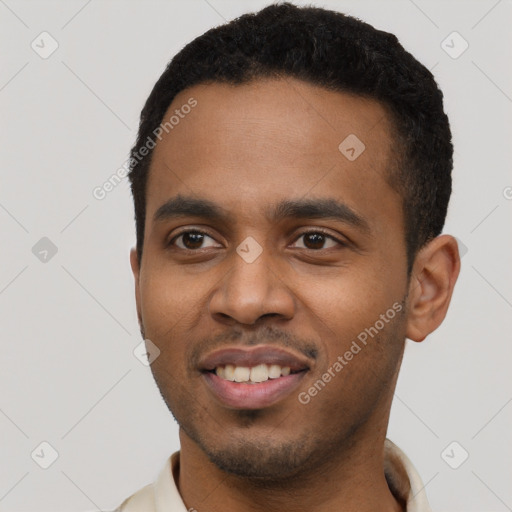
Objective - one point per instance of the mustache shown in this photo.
(268, 335)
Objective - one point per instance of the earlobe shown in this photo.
(434, 274)
(134, 262)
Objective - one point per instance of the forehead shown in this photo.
(273, 139)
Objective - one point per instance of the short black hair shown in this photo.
(338, 52)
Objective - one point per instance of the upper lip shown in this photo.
(253, 356)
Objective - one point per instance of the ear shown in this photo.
(433, 278)
(134, 262)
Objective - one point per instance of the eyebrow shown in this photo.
(322, 208)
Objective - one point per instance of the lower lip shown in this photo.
(240, 395)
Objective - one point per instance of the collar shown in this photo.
(403, 480)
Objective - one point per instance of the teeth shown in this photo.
(242, 374)
(259, 373)
(229, 372)
(274, 371)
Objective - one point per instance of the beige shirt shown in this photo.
(163, 495)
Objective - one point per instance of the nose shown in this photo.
(251, 290)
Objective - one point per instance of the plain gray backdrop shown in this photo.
(73, 79)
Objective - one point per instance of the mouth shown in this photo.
(254, 375)
(253, 378)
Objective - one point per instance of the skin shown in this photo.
(246, 148)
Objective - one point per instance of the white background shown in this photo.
(68, 326)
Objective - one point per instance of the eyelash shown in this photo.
(313, 231)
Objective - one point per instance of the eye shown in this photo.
(316, 239)
(194, 239)
(191, 240)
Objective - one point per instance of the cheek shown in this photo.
(169, 303)
(348, 300)
(361, 331)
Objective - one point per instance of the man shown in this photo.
(291, 179)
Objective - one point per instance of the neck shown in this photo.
(352, 479)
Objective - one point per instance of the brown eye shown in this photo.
(316, 240)
(191, 240)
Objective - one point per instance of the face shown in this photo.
(271, 254)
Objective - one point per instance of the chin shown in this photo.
(262, 461)
(260, 457)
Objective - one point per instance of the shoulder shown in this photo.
(143, 499)
(162, 495)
